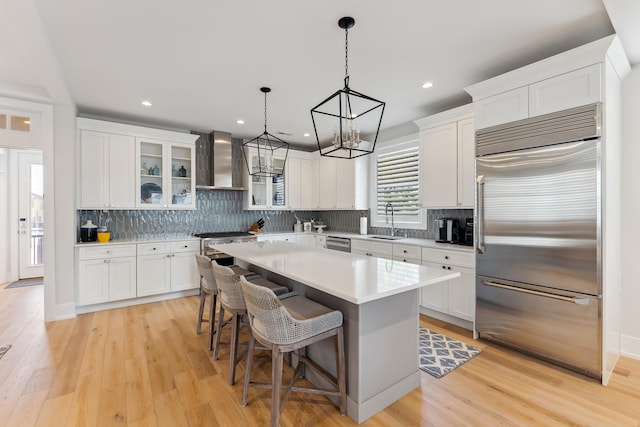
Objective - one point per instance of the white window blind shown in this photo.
(398, 182)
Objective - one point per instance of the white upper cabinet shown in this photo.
(166, 177)
(265, 192)
(502, 108)
(342, 183)
(107, 170)
(299, 174)
(447, 155)
(567, 80)
(579, 87)
(121, 164)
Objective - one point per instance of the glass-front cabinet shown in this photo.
(265, 192)
(166, 177)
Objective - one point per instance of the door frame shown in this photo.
(43, 141)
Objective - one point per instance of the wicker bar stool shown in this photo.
(232, 301)
(208, 288)
(290, 325)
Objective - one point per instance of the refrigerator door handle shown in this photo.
(575, 300)
(480, 206)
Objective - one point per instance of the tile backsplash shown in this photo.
(222, 210)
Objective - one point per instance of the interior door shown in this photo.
(30, 214)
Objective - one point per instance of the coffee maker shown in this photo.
(446, 230)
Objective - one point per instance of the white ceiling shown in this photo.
(201, 63)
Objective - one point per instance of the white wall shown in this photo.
(630, 342)
(64, 211)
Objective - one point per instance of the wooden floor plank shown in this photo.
(144, 366)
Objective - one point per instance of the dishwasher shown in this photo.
(342, 244)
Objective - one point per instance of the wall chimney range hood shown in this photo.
(218, 163)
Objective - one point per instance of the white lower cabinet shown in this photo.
(454, 297)
(106, 273)
(167, 267)
(290, 237)
(370, 248)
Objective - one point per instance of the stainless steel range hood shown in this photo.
(219, 163)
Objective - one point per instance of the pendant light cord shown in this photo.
(265, 112)
(346, 57)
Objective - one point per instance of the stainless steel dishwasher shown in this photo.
(342, 244)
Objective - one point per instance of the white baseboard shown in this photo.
(135, 301)
(630, 346)
(64, 311)
(446, 318)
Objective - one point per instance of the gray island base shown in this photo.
(379, 301)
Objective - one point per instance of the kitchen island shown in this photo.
(379, 301)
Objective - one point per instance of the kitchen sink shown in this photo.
(386, 237)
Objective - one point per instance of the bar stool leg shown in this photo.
(276, 384)
(235, 332)
(203, 297)
(342, 382)
(218, 332)
(247, 372)
(212, 319)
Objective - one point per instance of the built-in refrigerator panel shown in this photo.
(538, 219)
(563, 327)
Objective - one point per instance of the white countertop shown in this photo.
(427, 243)
(151, 238)
(352, 277)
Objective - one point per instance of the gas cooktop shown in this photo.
(222, 234)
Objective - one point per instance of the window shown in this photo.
(396, 174)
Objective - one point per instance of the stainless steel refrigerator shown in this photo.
(538, 260)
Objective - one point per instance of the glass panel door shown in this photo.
(31, 218)
(277, 184)
(151, 174)
(258, 184)
(181, 176)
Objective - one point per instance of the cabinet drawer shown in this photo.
(106, 251)
(185, 246)
(379, 249)
(154, 248)
(406, 251)
(464, 259)
(408, 260)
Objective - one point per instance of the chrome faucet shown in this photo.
(386, 213)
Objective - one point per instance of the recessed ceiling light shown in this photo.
(146, 103)
(240, 121)
(427, 85)
(306, 134)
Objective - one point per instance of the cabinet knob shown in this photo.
(105, 261)
(448, 268)
(446, 257)
(444, 267)
(404, 251)
(185, 246)
(154, 249)
(168, 255)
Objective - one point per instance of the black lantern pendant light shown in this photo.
(344, 117)
(267, 152)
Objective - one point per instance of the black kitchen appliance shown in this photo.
(468, 233)
(446, 230)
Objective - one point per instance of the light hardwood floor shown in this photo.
(145, 366)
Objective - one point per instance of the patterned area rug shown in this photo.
(24, 282)
(440, 354)
(4, 349)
